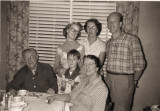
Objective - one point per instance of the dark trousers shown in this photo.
(121, 89)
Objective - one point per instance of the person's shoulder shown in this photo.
(100, 84)
(23, 68)
(44, 65)
(80, 47)
(22, 71)
(109, 40)
(130, 36)
(77, 69)
(60, 47)
(100, 88)
(84, 78)
(101, 41)
(82, 41)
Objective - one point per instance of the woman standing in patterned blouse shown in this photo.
(72, 31)
(91, 93)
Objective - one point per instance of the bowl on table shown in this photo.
(22, 92)
(17, 99)
(17, 106)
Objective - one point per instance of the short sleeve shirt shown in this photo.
(95, 48)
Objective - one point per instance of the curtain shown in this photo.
(17, 19)
(130, 12)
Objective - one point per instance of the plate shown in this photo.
(15, 104)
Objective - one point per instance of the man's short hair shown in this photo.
(74, 52)
(118, 14)
(29, 50)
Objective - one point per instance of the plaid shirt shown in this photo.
(124, 54)
(91, 97)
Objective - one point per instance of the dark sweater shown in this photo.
(43, 79)
(74, 74)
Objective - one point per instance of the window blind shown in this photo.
(48, 18)
(99, 9)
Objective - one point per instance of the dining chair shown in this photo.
(109, 106)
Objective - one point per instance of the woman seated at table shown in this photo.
(90, 94)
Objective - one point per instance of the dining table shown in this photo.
(38, 102)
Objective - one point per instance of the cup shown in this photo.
(16, 108)
(17, 99)
(22, 92)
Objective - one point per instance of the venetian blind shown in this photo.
(48, 18)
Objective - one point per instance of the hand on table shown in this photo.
(50, 91)
(13, 92)
(50, 99)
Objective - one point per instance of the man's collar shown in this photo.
(121, 35)
(34, 70)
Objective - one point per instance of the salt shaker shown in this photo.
(6, 101)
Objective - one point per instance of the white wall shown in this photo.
(148, 92)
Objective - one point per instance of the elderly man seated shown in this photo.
(34, 76)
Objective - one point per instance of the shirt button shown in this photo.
(34, 86)
(33, 78)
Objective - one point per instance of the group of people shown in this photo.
(76, 74)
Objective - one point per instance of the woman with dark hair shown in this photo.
(91, 93)
(93, 44)
(71, 32)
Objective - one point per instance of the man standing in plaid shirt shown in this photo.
(125, 64)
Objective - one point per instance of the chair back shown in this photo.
(109, 106)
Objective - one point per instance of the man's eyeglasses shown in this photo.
(73, 30)
(29, 58)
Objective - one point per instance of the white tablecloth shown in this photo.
(39, 104)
